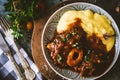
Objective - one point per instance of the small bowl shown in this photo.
(50, 27)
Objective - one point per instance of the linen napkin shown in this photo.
(6, 69)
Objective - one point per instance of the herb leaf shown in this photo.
(59, 58)
(87, 56)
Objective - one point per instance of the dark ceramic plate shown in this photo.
(50, 28)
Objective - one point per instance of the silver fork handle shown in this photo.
(29, 73)
(15, 67)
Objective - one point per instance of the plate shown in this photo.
(50, 27)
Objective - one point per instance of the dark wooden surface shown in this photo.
(47, 72)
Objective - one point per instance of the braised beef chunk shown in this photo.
(80, 53)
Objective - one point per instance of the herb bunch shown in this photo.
(18, 14)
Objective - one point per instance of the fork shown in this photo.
(7, 52)
(29, 73)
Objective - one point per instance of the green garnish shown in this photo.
(59, 58)
(68, 36)
(87, 56)
(63, 39)
(73, 33)
(77, 45)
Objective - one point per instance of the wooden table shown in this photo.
(47, 72)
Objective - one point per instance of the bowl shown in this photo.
(50, 27)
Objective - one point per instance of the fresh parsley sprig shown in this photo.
(18, 18)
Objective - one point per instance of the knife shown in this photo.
(5, 48)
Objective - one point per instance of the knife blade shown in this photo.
(5, 48)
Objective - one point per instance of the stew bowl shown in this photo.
(50, 28)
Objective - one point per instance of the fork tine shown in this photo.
(6, 25)
(6, 21)
(2, 25)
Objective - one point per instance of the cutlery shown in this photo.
(5, 48)
(29, 73)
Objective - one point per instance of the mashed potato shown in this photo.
(91, 23)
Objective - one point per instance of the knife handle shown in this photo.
(29, 73)
(15, 67)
